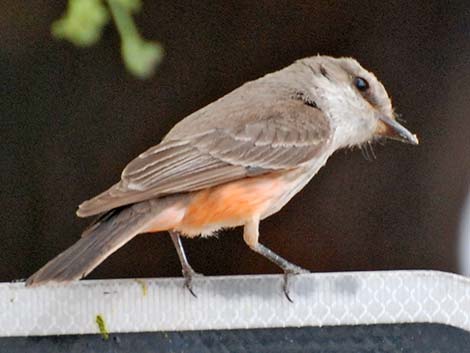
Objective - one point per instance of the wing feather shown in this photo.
(284, 136)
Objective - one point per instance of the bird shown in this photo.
(234, 163)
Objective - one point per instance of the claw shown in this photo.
(188, 284)
(186, 269)
(287, 275)
(285, 286)
(288, 268)
(188, 274)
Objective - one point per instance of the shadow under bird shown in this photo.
(235, 162)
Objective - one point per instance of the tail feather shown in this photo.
(101, 240)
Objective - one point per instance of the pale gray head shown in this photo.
(354, 100)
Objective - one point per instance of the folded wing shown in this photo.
(281, 137)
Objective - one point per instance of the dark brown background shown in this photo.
(72, 118)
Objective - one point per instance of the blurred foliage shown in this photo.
(84, 20)
(140, 56)
(82, 23)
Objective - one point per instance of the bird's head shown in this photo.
(355, 101)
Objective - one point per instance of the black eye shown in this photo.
(361, 84)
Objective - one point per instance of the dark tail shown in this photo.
(99, 241)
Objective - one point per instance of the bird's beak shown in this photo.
(390, 128)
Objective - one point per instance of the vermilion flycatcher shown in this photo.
(235, 162)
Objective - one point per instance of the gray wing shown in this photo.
(279, 137)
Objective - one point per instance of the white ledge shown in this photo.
(348, 298)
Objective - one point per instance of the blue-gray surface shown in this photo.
(404, 338)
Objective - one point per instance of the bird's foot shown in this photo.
(288, 274)
(189, 274)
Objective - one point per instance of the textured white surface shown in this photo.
(236, 302)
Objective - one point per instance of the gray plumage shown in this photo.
(102, 239)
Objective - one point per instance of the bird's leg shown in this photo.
(251, 235)
(186, 269)
(288, 267)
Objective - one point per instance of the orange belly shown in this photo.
(230, 204)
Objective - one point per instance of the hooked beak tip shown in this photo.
(414, 140)
(390, 128)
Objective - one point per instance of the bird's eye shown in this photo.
(361, 84)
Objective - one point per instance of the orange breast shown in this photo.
(231, 204)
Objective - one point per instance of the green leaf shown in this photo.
(140, 56)
(82, 22)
